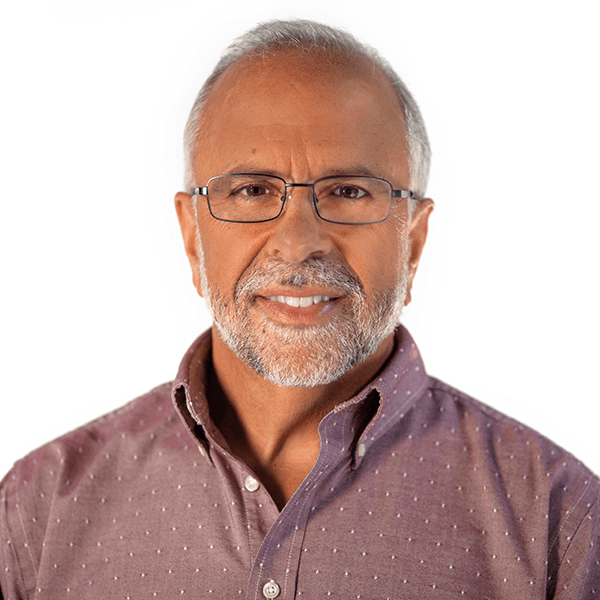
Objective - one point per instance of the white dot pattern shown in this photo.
(438, 497)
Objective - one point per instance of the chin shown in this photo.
(307, 356)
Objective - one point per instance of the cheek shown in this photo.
(377, 257)
(384, 273)
(228, 250)
(396, 241)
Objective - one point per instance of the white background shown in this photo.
(97, 300)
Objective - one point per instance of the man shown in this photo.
(302, 450)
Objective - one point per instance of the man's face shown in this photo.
(301, 118)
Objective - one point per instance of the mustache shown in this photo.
(321, 271)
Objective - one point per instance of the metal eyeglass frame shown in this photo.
(203, 191)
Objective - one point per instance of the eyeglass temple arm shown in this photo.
(201, 191)
(403, 194)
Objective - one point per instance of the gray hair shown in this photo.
(309, 35)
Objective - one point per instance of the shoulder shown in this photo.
(519, 473)
(517, 460)
(60, 463)
(69, 479)
(499, 435)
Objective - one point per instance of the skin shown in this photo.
(301, 118)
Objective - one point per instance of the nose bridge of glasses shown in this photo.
(305, 185)
(288, 191)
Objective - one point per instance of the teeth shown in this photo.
(301, 302)
(306, 301)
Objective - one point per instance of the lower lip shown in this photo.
(307, 315)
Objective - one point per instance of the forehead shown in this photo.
(318, 103)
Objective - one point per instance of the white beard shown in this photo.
(308, 355)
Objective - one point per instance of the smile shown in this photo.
(299, 302)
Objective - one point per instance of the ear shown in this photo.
(417, 234)
(184, 205)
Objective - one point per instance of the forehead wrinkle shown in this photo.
(296, 159)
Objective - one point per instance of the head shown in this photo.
(302, 101)
(310, 36)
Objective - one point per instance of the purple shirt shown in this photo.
(438, 496)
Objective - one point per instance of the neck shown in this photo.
(274, 429)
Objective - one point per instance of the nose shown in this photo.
(298, 233)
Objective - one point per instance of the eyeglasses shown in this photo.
(255, 198)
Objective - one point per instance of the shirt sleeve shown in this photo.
(578, 574)
(10, 577)
(591, 582)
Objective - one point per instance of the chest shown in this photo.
(376, 532)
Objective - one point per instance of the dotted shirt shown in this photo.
(438, 496)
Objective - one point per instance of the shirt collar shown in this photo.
(399, 386)
(396, 389)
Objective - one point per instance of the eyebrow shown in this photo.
(349, 170)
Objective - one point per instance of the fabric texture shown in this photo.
(438, 496)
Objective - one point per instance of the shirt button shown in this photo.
(271, 589)
(362, 449)
(252, 485)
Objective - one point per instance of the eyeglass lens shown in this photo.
(253, 198)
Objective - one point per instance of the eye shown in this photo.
(252, 190)
(348, 191)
